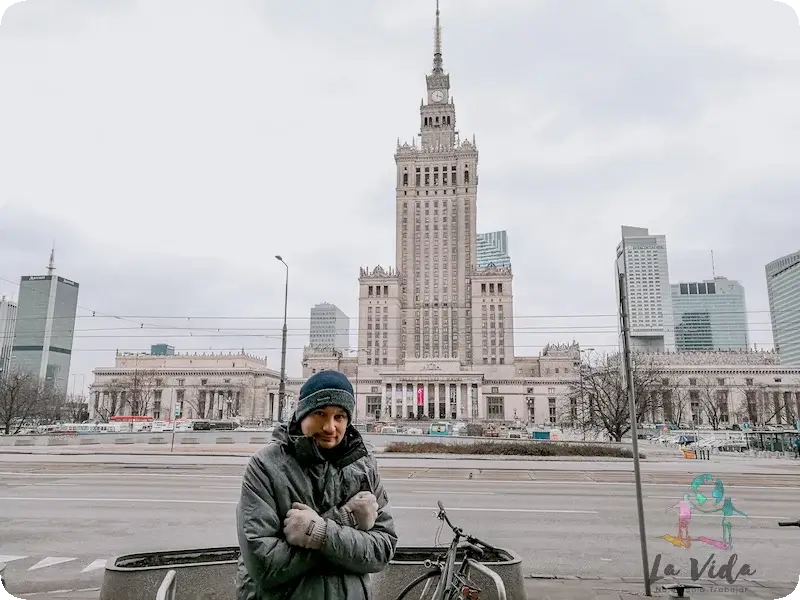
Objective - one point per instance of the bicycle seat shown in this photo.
(472, 550)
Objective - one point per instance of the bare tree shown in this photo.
(598, 402)
(112, 398)
(140, 390)
(714, 401)
(22, 398)
(75, 409)
(676, 402)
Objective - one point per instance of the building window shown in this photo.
(495, 408)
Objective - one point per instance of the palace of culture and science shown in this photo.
(436, 335)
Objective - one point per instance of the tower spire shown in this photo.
(437, 44)
(52, 265)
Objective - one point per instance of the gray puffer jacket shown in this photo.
(291, 468)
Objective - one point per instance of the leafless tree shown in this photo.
(206, 403)
(598, 402)
(76, 409)
(714, 400)
(140, 388)
(676, 402)
(22, 399)
(112, 403)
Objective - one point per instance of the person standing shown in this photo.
(314, 519)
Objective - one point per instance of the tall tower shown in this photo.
(437, 185)
(45, 327)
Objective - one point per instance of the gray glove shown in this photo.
(304, 527)
(363, 510)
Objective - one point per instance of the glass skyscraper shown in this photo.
(710, 315)
(492, 249)
(45, 327)
(783, 288)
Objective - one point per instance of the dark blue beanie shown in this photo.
(326, 388)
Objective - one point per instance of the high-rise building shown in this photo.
(783, 288)
(8, 319)
(649, 294)
(492, 250)
(710, 315)
(330, 327)
(162, 350)
(45, 327)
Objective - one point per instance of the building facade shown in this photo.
(783, 288)
(710, 315)
(329, 327)
(190, 386)
(726, 388)
(45, 327)
(8, 319)
(492, 250)
(649, 293)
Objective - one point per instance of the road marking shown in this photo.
(51, 561)
(8, 559)
(458, 493)
(100, 563)
(149, 500)
(513, 510)
(627, 484)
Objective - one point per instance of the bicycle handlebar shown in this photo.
(460, 532)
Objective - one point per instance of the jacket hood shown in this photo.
(307, 452)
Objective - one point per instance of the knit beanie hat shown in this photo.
(326, 388)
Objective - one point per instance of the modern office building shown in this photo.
(492, 250)
(162, 350)
(783, 288)
(8, 319)
(650, 296)
(329, 328)
(710, 315)
(45, 327)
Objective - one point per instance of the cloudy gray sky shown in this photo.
(171, 149)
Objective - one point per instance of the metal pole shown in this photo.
(626, 346)
(174, 417)
(282, 387)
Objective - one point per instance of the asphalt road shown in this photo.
(59, 521)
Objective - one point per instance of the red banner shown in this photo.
(421, 396)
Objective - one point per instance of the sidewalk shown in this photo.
(601, 589)
(568, 589)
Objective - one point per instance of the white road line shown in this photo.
(514, 510)
(99, 500)
(437, 492)
(100, 563)
(8, 559)
(627, 484)
(51, 561)
(416, 480)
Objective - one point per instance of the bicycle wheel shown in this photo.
(417, 581)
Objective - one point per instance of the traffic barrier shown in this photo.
(227, 439)
(55, 441)
(24, 442)
(190, 440)
(86, 441)
(124, 440)
(157, 440)
(258, 440)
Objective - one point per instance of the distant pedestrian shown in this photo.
(314, 519)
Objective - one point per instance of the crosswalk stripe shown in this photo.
(51, 561)
(100, 563)
(8, 559)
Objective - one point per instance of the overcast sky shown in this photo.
(171, 149)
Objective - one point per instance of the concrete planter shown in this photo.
(210, 574)
(203, 574)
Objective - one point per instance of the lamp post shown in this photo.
(282, 388)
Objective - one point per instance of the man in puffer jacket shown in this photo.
(313, 518)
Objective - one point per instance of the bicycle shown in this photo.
(456, 584)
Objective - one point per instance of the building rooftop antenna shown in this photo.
(52, 265)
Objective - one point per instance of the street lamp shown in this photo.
(282, 388)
